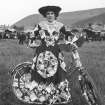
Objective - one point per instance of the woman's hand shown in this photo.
(35, 43)
(38, 42)
(61, 42)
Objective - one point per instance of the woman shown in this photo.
(49, 69)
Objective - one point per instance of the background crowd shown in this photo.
(91, 32)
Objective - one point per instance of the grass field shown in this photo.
(92, 56)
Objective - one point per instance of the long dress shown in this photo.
(50, 74)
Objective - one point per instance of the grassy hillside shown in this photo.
(97, 19)
(67, 18)
(92, 55)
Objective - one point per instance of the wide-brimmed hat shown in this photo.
(45, 9)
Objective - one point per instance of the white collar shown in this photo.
(51, 23)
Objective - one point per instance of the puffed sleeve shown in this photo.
(68, 37)
(66, 32)
(35, 37)
(36, 32)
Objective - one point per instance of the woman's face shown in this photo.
(50, 16)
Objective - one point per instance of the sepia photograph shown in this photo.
(52, 52)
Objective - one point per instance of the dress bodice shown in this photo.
(48, 33)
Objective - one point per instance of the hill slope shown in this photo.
(97, 19)
(67, 18)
